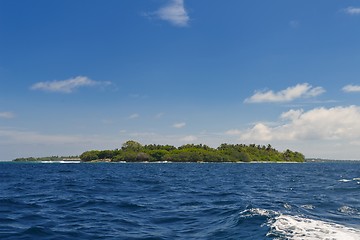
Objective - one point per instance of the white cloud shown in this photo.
(294, 24)
(133, 116)
(142, 134)
(179, 125)
(233, 132)
(352, 10)
(260, 132)
(337, 123)
(291, 114)
(7, 115)
(189, 139)
(174, 12)
(351, 88)
(138, 96)
(303, 90)
(159, 115)
(66, 86)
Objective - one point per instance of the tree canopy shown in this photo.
(132, 151)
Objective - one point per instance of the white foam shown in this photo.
(308, 206)
(295, 227)
(348, 210)
(356, 179)
(287, 206)
(345, 180)
(256, 212)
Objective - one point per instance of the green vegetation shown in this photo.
(132, 151)
(48, 159)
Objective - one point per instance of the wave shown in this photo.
(295, 227)
(349, 180)
(290, 227)
(348, 210)
(345, 180)
(308, 206)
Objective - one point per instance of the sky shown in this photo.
(77, 75)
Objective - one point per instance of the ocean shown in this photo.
(180, 201)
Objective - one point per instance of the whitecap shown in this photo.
(308, 206)
(287, 206)
(345, 180)
(347, 210)
(296, 227)
(356, 179)
(257, 212)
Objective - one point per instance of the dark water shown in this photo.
(180, 201)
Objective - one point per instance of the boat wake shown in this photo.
(295, 227)
(290, 227)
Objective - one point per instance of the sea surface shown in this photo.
(180, 201)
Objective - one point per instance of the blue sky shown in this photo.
(89, 74)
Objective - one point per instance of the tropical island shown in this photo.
(132, 151)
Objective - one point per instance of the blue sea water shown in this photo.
(180, 201)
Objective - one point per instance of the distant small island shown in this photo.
(132, 151)
(49, 159)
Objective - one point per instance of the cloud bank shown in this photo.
(175, 13)
(66, 86)
(337, 123)
(289, 94)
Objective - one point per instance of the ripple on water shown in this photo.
(179, 201)
(348, 210)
